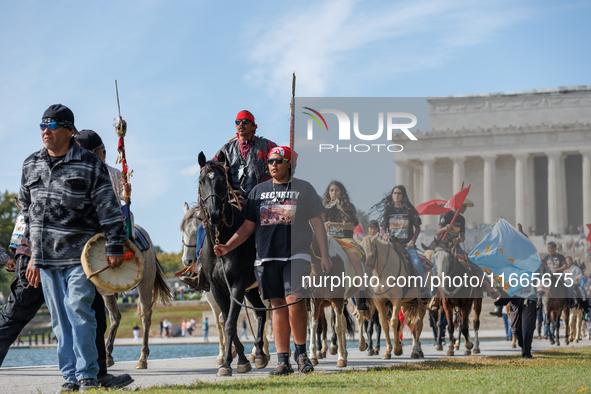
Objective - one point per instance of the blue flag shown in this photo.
(505, 251)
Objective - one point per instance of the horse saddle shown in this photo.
(141, 241)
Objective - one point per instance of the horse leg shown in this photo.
(419, 327)
(324, 348)
(219, 325)
(334, 347)
(341, 330)
(261, 358)
(314, 311)
(448, 308)
(360, 323)
(232, 332)
(394, 322)
(440, 329)
(565, 316)
(465, 325)
(557, 325)
(477, 310)
(368, 325)
(147, 292)
(115, 317)
(378, 329)
(383, 311)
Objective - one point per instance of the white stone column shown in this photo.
(401, 172)
(521, 204)
(489, 187)
(553, 192)
(428, 171)
(530, 196)
(458, 173)
(586, 189)
(410, 182)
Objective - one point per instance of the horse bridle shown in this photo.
(225, 199)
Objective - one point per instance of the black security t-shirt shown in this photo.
(282, 213)
(457, 228)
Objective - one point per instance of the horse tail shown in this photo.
(411, 313)
(349, 321)
(161, 288)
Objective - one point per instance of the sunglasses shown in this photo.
(50, 126)
(243, 121)
(276, 161)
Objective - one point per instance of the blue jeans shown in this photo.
(507, 323)
(69, 296)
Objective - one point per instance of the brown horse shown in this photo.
(322, 297)
(460, 298)
(385, 263)
(557, 300)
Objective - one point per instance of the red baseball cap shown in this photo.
(285, 152)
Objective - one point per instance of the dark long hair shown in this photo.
(335, 215)
(386, 205)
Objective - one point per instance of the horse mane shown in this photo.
(192, 213)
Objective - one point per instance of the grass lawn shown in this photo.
(566, 370)
(174, 313)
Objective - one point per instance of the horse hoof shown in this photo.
(421, 354)
(398, 352)
(251, 358)
(370, 352)
(110, 362)
(363, 348)
(141, 365)
(414, 355)
(261, 362)
(219, 360)
(449, 353)
(476, 351)
(243, 368)
(314, 361)
(333, 350)
(224, 371)
(469, 345)
(513, 346)
(467, 353)
(386, 356)
(551, 342)
(322, 355)
(341, 363)
(439, 347)
(457, 347)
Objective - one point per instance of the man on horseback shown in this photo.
(281, 211)
(553, 263)
(455, 233)
(246, 158)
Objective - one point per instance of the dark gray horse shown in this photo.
(231, 275)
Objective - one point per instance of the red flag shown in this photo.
(358, 233)
(433, 207)
(458, 199)
(589, 236)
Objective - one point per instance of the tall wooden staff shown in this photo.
(292, 108)
(121, 130)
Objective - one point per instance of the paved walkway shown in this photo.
(185, 371)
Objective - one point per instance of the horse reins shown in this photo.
(226, 200)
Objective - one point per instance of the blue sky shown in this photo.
(185, 68)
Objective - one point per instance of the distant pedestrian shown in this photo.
(243, 329)
(205, 330)
(136, 333)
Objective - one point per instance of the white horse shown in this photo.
(189, 227)
(151, 287)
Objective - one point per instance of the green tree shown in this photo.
(8, 213)
(171, 262)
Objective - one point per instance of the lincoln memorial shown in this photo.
(526, 154)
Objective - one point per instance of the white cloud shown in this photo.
(191, 171)
(329, 45)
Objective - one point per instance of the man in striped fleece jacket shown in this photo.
(67, 198)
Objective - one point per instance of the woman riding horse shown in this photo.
(340, 219)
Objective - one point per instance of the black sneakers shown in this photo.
(109, 381)
(69, 387)
(304, 364)
(282, 370)
(87, 384)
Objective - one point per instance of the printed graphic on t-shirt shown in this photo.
(336, 232)
(275, 214)
(398, 226)
(553, 262)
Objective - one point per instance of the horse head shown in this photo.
(189, 229)
(213, 189)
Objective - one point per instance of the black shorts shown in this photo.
(278, 279)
